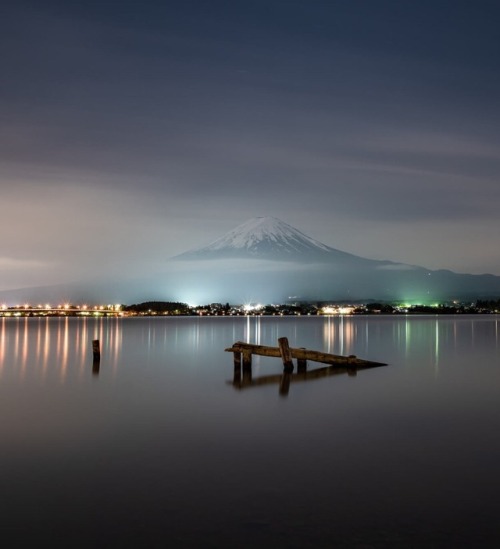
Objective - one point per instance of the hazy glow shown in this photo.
(248, 307)
(126, 153)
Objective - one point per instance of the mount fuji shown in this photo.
(261, 237)
(272, 260)
(266, 260)
(268, 238)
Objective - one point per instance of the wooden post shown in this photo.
(97, 357)
(96, 349)
(301, 364)
(247, 367)
(351, 366)
(247, 377)
(237, 369)
(286, 354)
(247, 359)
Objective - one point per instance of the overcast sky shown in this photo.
(133, 131)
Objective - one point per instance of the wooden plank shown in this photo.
(305, 354)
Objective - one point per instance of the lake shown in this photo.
(157, 447)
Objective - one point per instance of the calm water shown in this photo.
(158, 447)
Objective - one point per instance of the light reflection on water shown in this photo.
(154, 447)
(66, 342)
(59, 343)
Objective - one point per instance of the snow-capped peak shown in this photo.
(266, 238)
(265, 232)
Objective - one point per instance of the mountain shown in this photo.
(269, 238)
(269, 260)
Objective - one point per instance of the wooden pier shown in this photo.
(339, 364)
(246, 350)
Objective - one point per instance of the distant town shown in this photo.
(168, 308)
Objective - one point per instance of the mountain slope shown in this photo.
(268, 258)
(271, 239)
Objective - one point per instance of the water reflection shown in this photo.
(24, 352)
(57, 347)
(339, 334)
(284, 383)
(427, 337)
(418, 450)
(252, 332)
(96, 365)
(243, 379)
(62, 347)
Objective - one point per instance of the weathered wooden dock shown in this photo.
(339, 364)
(245, 351)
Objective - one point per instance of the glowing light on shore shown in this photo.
(332, 310)
(248, 307)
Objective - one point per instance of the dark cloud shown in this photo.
(182, 119)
